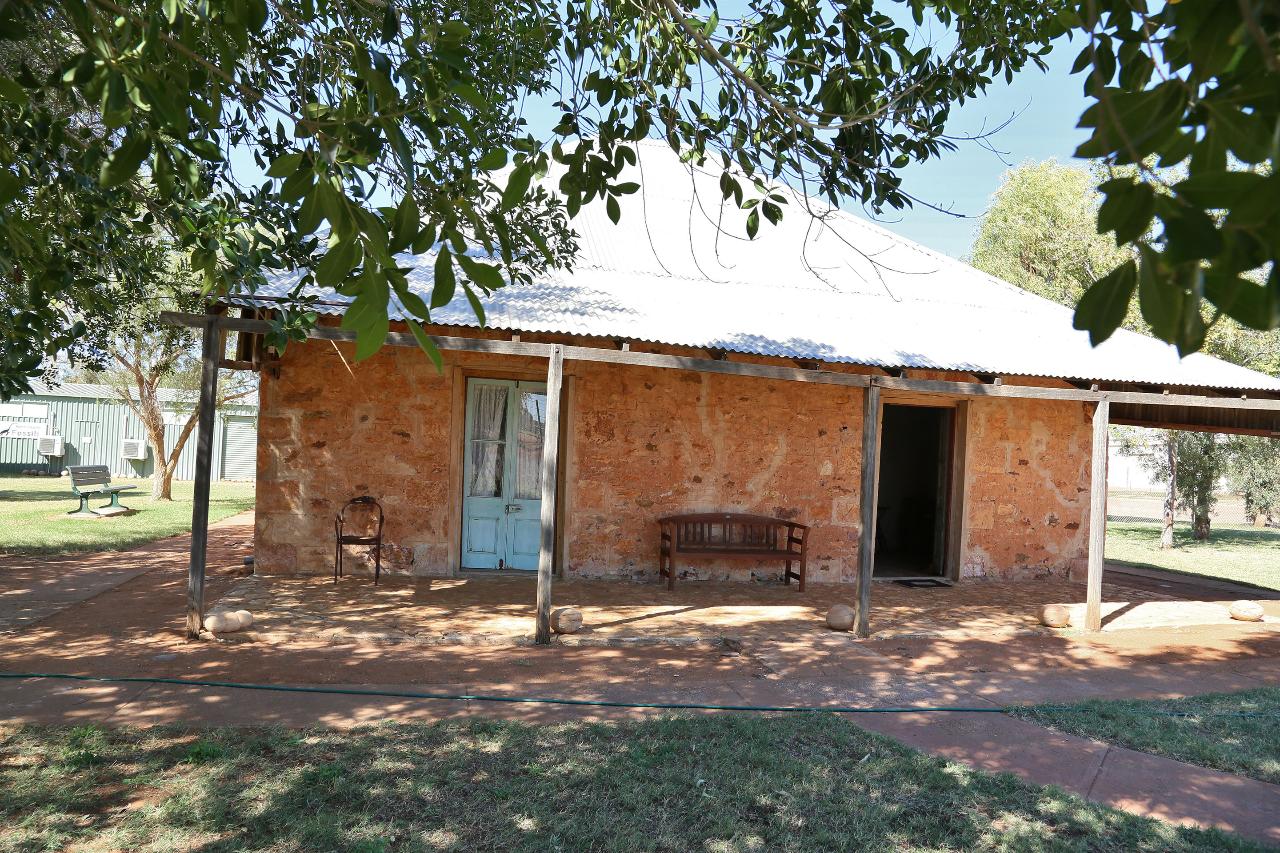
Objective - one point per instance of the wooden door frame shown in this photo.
(952, 518)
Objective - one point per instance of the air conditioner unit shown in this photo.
(133, 448)
(50, 445)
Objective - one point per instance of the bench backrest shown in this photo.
(730, 531)
(89, 475)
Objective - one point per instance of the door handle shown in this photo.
(514, 507)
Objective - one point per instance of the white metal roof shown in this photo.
(678, 269)
(92, 391)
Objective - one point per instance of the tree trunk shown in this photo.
(1170, 493)
(161, 476)
(1200, 527)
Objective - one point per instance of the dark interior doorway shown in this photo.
(911, 510)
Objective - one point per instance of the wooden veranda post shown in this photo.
(550, 461)
(867, 524)
(1097, 517)
(209, 356)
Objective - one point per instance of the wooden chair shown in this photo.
(89, 481)
(340, 522)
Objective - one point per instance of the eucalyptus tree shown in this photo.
(393, 126)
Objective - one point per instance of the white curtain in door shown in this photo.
(488, 444)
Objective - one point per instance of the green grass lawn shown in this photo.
(710, 783)
(1249, 746)
(33, 516)
(1237, 553)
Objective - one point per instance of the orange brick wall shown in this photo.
(1027, 490)
(642, 443)
(649, 442)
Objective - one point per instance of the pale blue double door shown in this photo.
(502, 492)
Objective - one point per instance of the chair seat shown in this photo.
(358, 540)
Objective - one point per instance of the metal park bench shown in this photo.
(89, 481)
(733, 536)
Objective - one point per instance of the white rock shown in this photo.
(246, 619)
(566, 620)
(1246, 611)
(840, 617)
(1055, 616)
(217, 623)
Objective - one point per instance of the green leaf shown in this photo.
(753, 222)
(11, 91)
(405, 226)
(1162, 302)
(611, 207)
(10, 186)
(424, 341)
(517, 186)
(1103, 307)
(1127, 209)
(445, 282)
(476, 307)
(492, 161)
(1220, 190)
(1249, 304)
(1189, 233)
(336, 263)
(285, 165)
(487, 276)
(124, 161)
(116, 106)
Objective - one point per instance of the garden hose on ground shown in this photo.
(591, 703)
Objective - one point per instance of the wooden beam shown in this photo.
(204, 461)
(1097, 518)
(707, 365)
(867, 524)
(550, 461)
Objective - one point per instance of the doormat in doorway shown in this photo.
(921, 583)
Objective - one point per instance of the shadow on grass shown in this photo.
(677, 783)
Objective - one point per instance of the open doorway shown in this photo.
(911, 510)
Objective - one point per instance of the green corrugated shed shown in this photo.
(94, 425)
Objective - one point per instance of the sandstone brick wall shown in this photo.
(642, 443)
(650, 442)
(1027, 491)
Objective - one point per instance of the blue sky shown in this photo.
(1049, 105)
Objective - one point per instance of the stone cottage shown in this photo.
(922, 418)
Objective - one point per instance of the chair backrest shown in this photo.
(366, 502)
(89, 475)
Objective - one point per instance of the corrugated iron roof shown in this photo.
(830, 286)
(106, 392)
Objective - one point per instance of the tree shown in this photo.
(397, 126)
(1192, 464)
(1253, 470)
(1040, 233)
(151, 358)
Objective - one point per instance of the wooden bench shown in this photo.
(89, 481)
(733, 536)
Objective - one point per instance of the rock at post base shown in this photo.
(246, 619)
(1055, 616)
(217, 623)
(840, 617)
(1246, 611)
(566, 620)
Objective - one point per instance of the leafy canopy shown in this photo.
(387, 127)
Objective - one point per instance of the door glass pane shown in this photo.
(530, 427)
(488, 430)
